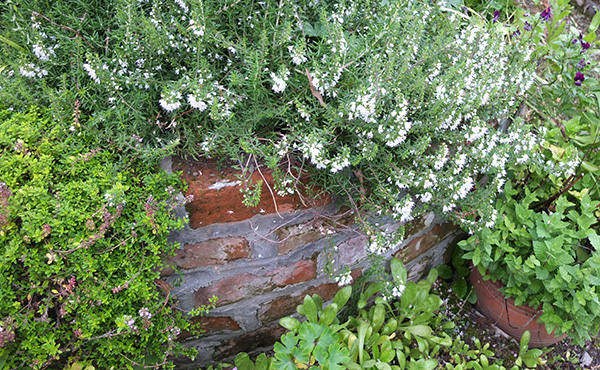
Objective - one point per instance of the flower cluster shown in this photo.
(393, 291)
(344, 279)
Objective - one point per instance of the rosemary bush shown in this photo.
(393, 103)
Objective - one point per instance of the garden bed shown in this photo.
(471, 325)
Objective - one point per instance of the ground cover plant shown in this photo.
(82, 235)
(398, 107)
(405, 326)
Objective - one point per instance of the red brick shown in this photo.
(296, 236)
(303, 270)
(233, 289)
(286, 305)
(246, 285)
(211, 252)
(225, 204)
(210, 325)
(423, 243)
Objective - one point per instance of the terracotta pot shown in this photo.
(513, 320)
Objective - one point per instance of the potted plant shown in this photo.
(543, 251)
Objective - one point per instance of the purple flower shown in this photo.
(496, 16)
(546, 14)
(527, 26)
(584, 46)
(579, 78)
(582, 63)
(574, 41)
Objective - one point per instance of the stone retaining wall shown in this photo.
(261, 261)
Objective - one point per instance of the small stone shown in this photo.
(585, 359)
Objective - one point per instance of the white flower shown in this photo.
(42, 53)
(279, 82)
(171, 101)
(182, 5)
(91, 72)
(297, 56)
(195, 103)
(344, 279)
(403, 209)
(464, 189)
(32, 71)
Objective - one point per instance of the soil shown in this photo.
(472, 324)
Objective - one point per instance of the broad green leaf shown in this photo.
(595, 22)
(388, 355)
(399, 273)
(595, 240)
(243, 362)
(401, 358)
(337, 356)
(378, 317)
(342, 296)
(262, 362)
(329, 314)
(382, 366)
(309, 331)
(445, 271)
(285, 364)
(459, 286)
(288, 341)
(310, 309)
(289, 323)
(418, 330)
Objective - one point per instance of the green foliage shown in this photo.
(81, 239)
(404, 332)
(544, 257)
(389, 101)
(544, 245)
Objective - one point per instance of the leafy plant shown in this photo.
(81, 239)
(389, 102)
(402, 329)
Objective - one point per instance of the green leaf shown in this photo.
(382, 366)
(445, 271)
(399, 273)
(401, 358)
(337, 356)
(595, 22)
(289, 341)
(262, 362)
(289, 323)
(459, 287)
(418, 330)
(310, 309)
(524, 343)
(378, 317)
(309, 331)
(329, 314)
(284, 364)
(387, 356)
(595, 240)
(342, 296)
(243, 362)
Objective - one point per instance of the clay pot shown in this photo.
(513, 320)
